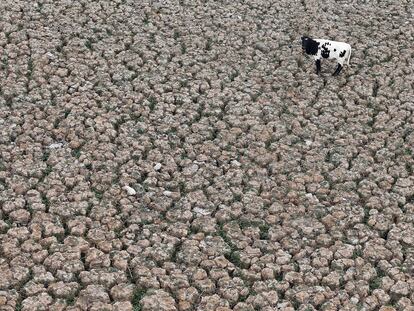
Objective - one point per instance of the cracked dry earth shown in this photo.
(178, 155)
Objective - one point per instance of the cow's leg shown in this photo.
(318, 66)
(338, 70)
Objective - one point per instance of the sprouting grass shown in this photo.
(146, 19)
(152, 102)
(139, 293)
(264, 231)
(209, 44)
(4, 62)
(18, 306)
(30, 67)
(98, 194)
(176, 34)
(70, 301)
(45, 201)
(45, 155)
(88, 44)
(183, 48)
(375, 283)
(184, 83)
(357, 253)
(39, 7)
(76, 153)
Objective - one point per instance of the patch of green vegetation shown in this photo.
(76, 153)
(48, 170)
(357, 253)
(375, 88)
(237, 197)
(242, 298)
(56, 123)
(375, 283)
(7, 34)
(183, 48)
(410, 199)
(45, 201)
(30, 68)
(264, 231)
(209, 44)
(234, 258)
(140, 130)
(184, 83)
(176, 249)
(176, 34)
(88, 44)
(139, 293)
(146, 19)
(4, 62)
(152, 38)
(214, 134)
(45, 155)
(152, 102)
(181, 185)
(98, 194)
(269, 142)
(366, 217)
(244, 223)
(39, 7)
(194, 230)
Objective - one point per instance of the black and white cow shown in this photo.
(320, 48)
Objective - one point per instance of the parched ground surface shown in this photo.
(178, 155)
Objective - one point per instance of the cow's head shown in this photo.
(309, 45)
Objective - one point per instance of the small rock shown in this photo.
(157, 166)
(55, 146)
(235, 163)
(129, 190)
(201, 211)
(261, 46)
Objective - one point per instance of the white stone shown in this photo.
(201, 211)
(235, 163)
(157, 166)
(55, 145)
(129, 190)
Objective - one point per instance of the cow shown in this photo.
(321, 48)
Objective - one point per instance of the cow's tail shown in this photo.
(349, 56)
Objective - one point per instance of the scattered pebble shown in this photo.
(55, 146)
(129, 190)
